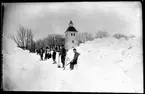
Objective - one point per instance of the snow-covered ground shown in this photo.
(105, 65)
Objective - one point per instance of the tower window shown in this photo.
(72, 41)
(72, 34)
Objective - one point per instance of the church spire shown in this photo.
(70, 23)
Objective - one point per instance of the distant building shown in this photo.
(71, 37)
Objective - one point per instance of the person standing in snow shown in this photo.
(46, 53)
(54, 56)
(74, 61)
(58, 50)
(62, 54)
(37, 51)
(41, 53)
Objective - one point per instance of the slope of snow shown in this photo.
(111, 54)
(105, 65)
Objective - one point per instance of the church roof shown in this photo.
(72, 29)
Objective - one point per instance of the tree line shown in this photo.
(24, 39)
(52, 40)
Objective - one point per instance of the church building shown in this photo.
(71, 40)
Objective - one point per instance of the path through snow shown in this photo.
(101, 68)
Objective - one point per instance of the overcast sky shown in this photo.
(46, 18)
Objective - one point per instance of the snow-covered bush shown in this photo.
(101, 34)
(119, 35)
(84, 36)
(132, 36)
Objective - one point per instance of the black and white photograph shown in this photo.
(72, 47)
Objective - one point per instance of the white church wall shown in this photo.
(69, 38)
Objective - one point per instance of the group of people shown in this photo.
(47, 52)
(62, 54)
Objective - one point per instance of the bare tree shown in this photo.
(20, 39)
(30, 42)
(28, 38)
(16, 41)
(24, 38)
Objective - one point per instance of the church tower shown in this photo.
(71, 37)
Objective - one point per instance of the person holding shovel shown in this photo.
(74, 61)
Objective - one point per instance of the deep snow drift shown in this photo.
(105, 65)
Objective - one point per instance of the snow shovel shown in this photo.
(66, 59)
(66, 65)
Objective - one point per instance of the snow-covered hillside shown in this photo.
(105, 65)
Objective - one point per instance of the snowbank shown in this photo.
(118, 60)
(9, 46)
(18, 67)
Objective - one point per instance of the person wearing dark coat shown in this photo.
(54, 56)
(49, 54)
(37, 52)
(58, 59)
(41, 53)
(74, 61)
(63, 54)
(46, 54)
